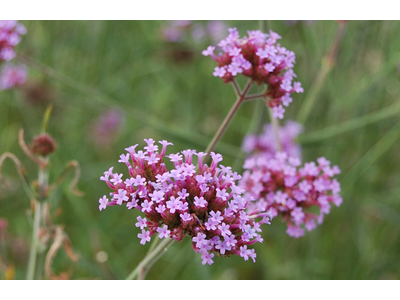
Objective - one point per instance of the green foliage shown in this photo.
(96, 65)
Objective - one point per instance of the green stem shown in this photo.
(228, 117)
(34, 244)
(43, 181)
(150, 259)
(350, 125)
(327, 64)
(369, 158)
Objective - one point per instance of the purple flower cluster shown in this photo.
(265, 143)
(260, 58)
(12, 76)
(104, 130)
(10, 32)
(203, 203)
(280, 185)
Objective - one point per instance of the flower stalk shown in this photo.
(35, 242)
(240, 98)
(151, 257)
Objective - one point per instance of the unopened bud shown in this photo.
(43, 144)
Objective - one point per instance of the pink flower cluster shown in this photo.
(10, 32)
(260, 58)
(12, 76)
(279, 185)
(203, 203)
(265, 143)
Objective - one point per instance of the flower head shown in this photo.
(265, 143)
(12, 76)
(205, 204)
(260, 58)
(10, 31)
(280, 186)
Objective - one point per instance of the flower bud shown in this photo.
(43, 144)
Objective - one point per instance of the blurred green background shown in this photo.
(166, 90)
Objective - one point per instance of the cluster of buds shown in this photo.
(265, 143)
(260, 58)
(10, 32)
(280, 185)
(204, 203)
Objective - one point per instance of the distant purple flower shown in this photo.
(290, 190)
(265, 144)
(12, 76)
(103, 130)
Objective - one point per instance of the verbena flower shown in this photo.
(104, 130)
(265, 143)
(12, 76)
(10, 32)
(282, 186)
(260, 58)
(203, 203)
(175, 31)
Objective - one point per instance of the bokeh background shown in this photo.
(114, 83)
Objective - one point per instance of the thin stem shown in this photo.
(275, 126)
(333, 130)
(34, 244)
(252, 97)
(228, 118)
(153, 245)
(328, 63)
(43, 181)
(150, 259)
(237, 89)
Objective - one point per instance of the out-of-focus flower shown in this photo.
(10, 32)
(12, 76)
(103, 131)
(175, 30)
(265, 143)
(203, 203)
(279, 185)
(294, 22)
(37, 93)
(180, 31)
(260, 58)
(216, 30)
